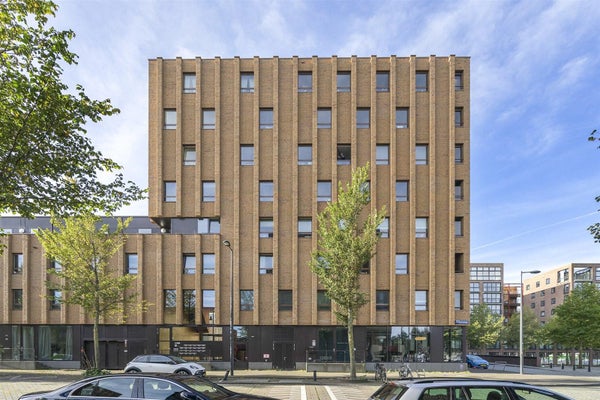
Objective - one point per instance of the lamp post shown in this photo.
(535, 271)
(227, 244)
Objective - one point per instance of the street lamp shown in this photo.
(227, 244)
(535, 271)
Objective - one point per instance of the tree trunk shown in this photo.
(351, 345)
(96, 343)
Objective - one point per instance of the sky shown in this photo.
(535, 80)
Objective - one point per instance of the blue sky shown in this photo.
(535, 80)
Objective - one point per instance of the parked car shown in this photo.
(466, 389)
(474, 361)
(142, 386)
(164, 364)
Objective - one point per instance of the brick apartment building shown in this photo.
(249, 151)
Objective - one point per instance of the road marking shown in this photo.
(330, 392)
(302, 392)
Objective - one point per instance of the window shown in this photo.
(207, 226)
(458, 154)
(266, 190)
(459, 263)
(401, 190)
(421, 227)
(324, 118)
(458, 80)
(56, 266)
(208, 298)
(131, 260)
(208, 263)
(247, 82)
(421, 81)
(170, 189)
(246, 300)
(285, 300)
(265, 227)
(189, 155)
(458, 190)
(421, 300)
(17, 299)
(382, 81)
(382, 154)
(208, 118)
(246, 154)
(55, 299)
(401, 263)
(363, 118)
(265, 264)
(366, 268)
(421, 154)
(265, 117)
(324, 191)
(189, 83)
(304, 82)
(106, 388)
(458, 117)
(323, 301)
(209, 191)
(401, 117)
(170, 117)
(189, 264)
(458, 226)
(17, 263)
(189, 306)
(304, 227)
(384, 228)
(458, 299)
(344, 153)
(304, 154)
(382, 300)
(343, 82)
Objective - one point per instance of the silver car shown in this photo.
(462, 389)
(164, 364)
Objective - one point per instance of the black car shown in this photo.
(462, 389)
(142, 386)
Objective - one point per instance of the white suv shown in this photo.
(164, 364)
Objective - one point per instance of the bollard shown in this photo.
(315, 375)
(226, 375)
(550, 365)
(562, 365)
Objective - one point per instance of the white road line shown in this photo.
(302, 392)
(330, 392)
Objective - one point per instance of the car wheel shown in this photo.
(182, 372)
(133, 371)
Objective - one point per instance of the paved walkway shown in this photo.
(301, 385)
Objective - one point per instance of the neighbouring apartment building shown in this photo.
(247, 152)
(547, 290)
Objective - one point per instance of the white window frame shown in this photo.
(170, 118)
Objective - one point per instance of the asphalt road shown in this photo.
(300, 385)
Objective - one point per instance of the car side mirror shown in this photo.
(189, 396)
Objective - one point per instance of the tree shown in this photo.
(532, 329)
(576, 322)
(485, 328)
(346, 242)
(47, 164)
(84, 247)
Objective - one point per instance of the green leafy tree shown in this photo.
(347, 235)
(576, 322)
(84, 247)
(484, 329)
(47, 163)
(533, 332)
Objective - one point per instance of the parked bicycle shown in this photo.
(405, 371)
(380, 372)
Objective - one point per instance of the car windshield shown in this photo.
(207, 388)
(177, 360)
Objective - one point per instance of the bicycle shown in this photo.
(405, 371)
(380, 372)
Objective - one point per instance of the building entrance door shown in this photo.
(284, 356)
